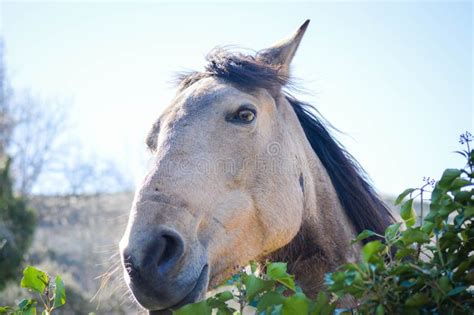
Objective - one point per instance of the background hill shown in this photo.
(77, 237)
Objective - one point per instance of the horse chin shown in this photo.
(196, 292)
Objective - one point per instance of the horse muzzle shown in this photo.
(162, 270)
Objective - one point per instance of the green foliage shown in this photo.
(428, 268)
(34, 279)
(414, 268)
(271, 291)
(51, 293)
(17, 223)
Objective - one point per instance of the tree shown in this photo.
(35, 133)
(17, 224)
(30, 131)
(5, 117)
(93, 177)
(35, 141)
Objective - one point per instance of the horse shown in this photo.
(243, 171)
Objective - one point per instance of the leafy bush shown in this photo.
(424, 268)
(52, 293)
(17, 223)
(271, 292)
(433, 267)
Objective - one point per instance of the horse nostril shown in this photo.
(129, 266)
(171, 248)
(165, 250)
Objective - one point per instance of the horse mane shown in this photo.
(358, 198)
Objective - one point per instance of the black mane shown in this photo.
(244, 70)
(361, 203)
(359, 200)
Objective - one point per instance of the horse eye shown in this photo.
(245, 115)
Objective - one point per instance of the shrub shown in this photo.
(52, 293)
(432, 270)
(272, 291)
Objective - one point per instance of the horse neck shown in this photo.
(323, 241)
(326, 222)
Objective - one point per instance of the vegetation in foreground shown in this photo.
(51, 293)
(414, 268)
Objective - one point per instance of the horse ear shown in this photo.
(281, 54)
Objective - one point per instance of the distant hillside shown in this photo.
(77, 237)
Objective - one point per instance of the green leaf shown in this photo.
(371, 249)
(200, 308)
(59, 292)
(254, 286)
(27, 307)
(401, 269)
(404, 252)
(5, 309)
(380, 310)
(24, 303)
(392, 230)
(407, 283)
(436, 195)
(427, 227)
(444, 284)
(219, 302)
(323, 306)
(29, 311)
(276, 270)
(417, 299)
(322, 302)
(407, 212)
(469, 212)
(457, 290)
(288, 282)
(268, 300)
(448, 177)
(402, 196)
(34, 279)
(362, 236)
(335, 280)
(432, 215)
(463, 196)
(225, 311)
(459, 183)
(414, 236)
(296, 304)
(224, 296)
(322, 299)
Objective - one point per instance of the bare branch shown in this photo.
(36, 140)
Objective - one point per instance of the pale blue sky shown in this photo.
(396, 77)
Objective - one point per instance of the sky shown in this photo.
(394, 76)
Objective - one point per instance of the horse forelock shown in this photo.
(247, 71)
